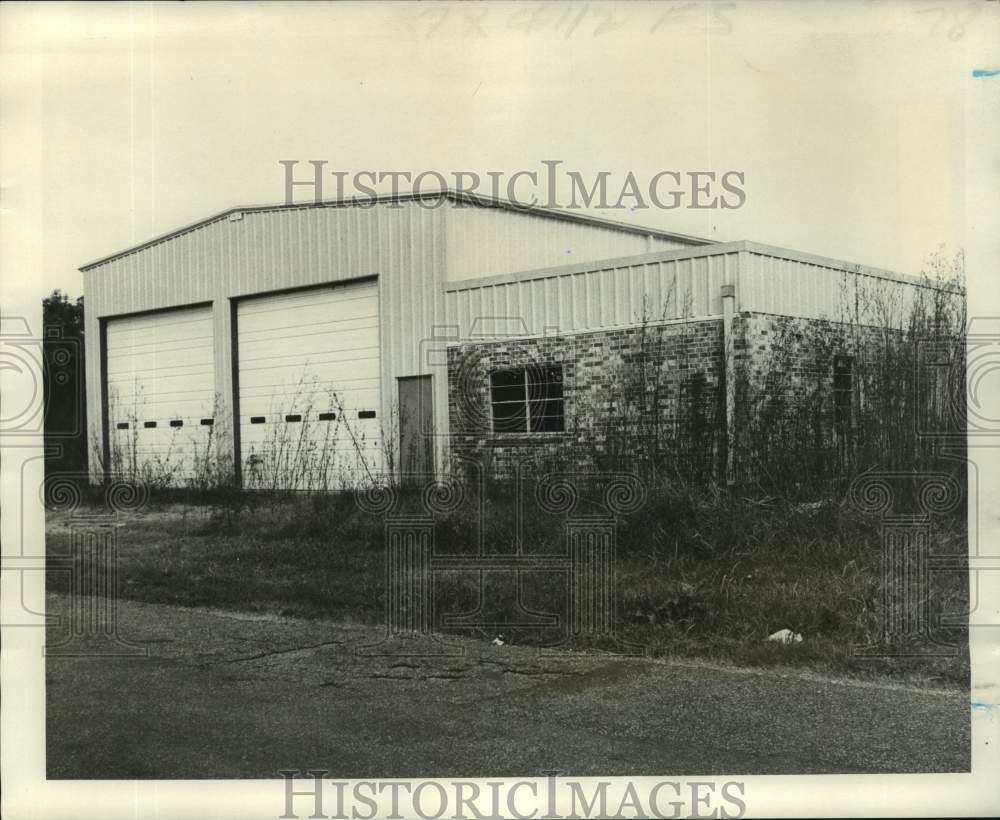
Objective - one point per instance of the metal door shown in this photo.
(416, 426)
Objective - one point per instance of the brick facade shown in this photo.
(654, 396)
(793, 415)
(612, 381)
(784, 390)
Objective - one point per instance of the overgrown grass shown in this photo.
(700, 572)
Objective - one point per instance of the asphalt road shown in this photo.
(230, 696)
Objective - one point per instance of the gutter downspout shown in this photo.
(728, 312)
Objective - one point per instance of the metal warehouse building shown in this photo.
(320, 345)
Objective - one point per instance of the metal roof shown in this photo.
(457, 196)
(710, 249)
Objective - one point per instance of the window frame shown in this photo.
(843, 397)
(531, 376)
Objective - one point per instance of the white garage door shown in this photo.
(310, 401)
(161, 391)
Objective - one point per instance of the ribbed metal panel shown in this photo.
(617, 294)
(601, 298)
(160, 386)
(271, 250)
(302, 354)
(492, 241)
(419, 255)
(791, 287)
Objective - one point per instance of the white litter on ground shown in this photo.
(785, 636)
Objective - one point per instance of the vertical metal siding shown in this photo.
(160, 369)
(616, 295)
(277, 249)
(413, 250)
(600, 298)
(493, 241)
(790, 287)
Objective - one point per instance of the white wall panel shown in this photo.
(789, 283)
(161, 386)
(267, 249)
(610, 294)
(492, 241)
(309, 387)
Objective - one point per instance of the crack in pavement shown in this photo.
(272, 654)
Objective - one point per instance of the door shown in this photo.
(161, 393)
(309, 390)
(416, 426)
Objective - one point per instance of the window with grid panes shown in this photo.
(527, 399)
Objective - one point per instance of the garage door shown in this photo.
(310, 399)
(161, 390)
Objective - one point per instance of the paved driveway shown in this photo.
(226, 696)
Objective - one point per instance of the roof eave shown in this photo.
(407, 196)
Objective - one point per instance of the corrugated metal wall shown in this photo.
(774, 280)
(270, 250)
(418, 254)
(571, 299)
(412, 249)
(491, 241)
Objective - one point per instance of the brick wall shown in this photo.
(652, 397)
(642, 394)
(787, 419)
